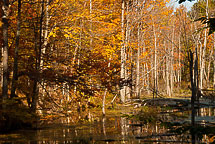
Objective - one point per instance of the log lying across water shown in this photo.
(164, 102)
(170, 102)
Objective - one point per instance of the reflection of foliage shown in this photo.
(145, 115)
(199, 130)
(16, 115)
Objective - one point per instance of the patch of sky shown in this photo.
(187, 4)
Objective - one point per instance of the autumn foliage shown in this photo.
(70, 52)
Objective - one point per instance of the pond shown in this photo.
(113, 129)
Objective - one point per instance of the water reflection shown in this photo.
(207, 111)
(110, 129)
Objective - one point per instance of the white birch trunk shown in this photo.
(138, 65)
(104, 96)
(172, 63)
(123, 58)
(168, 91)
(91, 24)
(5, 9)
(202, 62)
(179, 60)
(155, 60)
(128, 91)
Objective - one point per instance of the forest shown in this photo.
(90, 61)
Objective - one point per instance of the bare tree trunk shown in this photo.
(167, 80)
(209, 67)
(91, 24)
(104, 96)
(164, 68)
(196, 74)
(138, 64)
(47, 19)
(200, 66)
(16, 55)
(193, 87)
(5, 9)
(202, 63)
(128, 90)
(123, 57)
(44, 46)
(35, 93)
(155, 61)
(103, 102)
(91, 35)
(168, 90)
(172, 63)
(192, 81)
(179, 60)
(147, 79)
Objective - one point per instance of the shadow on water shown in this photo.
(153, 126)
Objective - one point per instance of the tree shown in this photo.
(5, 9)
(123, 57)
(16, 54)
(210, 21)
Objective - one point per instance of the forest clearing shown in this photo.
(107, 71)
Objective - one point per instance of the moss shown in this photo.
(145, 115)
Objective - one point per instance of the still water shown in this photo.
(112, 129)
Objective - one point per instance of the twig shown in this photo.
(49, 95)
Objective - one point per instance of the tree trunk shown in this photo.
(123, 58)
(5, 8)
(172, 63)
(35, 92)
(179, 61)
(91, 24)
(16, 55)
(202, 63)
(155, 61)
(138, 64)
(128, 90)
(147, 79)
(103, 102)
(46, 31)
(105, 93)
(192, 87)
(168, 90)
(209, 67)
